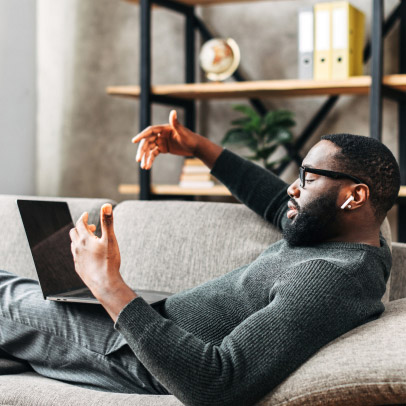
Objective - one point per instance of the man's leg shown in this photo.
(71, 342)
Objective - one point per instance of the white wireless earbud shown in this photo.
(346, 203)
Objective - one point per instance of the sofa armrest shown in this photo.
(398, 272)
(364, 366)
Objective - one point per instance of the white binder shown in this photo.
(322, 43)
(305, 42)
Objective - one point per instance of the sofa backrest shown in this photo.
(172, 245)
(165, 245)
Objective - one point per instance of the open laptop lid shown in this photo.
(47, 225)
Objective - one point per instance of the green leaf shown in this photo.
(241, 121)
(284, 137)
(279, 118)
(252, 157)
(254, 125)
(239, 137)
(279, 135)
(264, 153)
(248, 111)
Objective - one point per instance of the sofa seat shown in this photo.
(366, 366)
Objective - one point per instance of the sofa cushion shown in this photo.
(366, 366)
(173, 245)
(15, 255)
(31, 389)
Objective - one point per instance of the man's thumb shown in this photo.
(173, 119)
(106, 219)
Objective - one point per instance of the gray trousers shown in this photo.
(70, 342)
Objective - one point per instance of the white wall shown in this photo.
(17, 96)
(55, 52)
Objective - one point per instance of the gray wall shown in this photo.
(17, 96)
(86, 45)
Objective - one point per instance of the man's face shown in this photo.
(314, 210)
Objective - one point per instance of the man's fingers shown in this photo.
(151, 157)
(106, 216)
(139, 151)
(148, 144)
(81, 225)
(173, 120)
(148, 147)
(152, 130)
(73, 234)
(145, 145)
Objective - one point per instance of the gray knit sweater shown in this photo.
(233, 339)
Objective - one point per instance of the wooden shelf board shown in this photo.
(217, 190)
(205, 2)
(263, 88)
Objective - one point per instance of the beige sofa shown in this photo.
(171, 246)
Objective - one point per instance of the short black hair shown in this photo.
(370, 160)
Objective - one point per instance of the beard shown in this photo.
(314, 223)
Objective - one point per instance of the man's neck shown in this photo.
(359, 235)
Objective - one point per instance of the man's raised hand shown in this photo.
(171, 138)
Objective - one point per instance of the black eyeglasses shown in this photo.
(329, 174)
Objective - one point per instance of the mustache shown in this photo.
(294, 202)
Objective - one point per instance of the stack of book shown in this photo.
(195, 174)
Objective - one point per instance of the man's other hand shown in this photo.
(171, 138)
(97, 261)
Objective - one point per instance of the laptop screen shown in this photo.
(47, 225)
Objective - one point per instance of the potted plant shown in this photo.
(261, 134)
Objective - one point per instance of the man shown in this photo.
(233, 339)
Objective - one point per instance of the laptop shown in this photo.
(47, 225)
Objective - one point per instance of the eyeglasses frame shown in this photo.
(324, 172)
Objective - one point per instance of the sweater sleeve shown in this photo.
(256, 187)
(316, 303)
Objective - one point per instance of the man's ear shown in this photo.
(360, 194)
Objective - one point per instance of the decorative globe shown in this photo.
(219, 58)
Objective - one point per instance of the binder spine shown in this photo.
(347, 40)
(322, 44)
(305, 42)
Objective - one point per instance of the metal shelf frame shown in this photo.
(146, 98)
(373, 49)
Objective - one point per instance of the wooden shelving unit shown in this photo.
(359, 85)
(184, 95)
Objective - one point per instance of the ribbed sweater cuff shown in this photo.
(135, 319)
